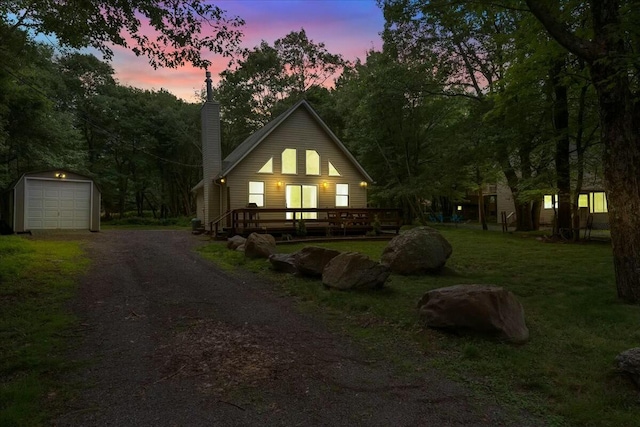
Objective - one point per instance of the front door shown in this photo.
(302, 196)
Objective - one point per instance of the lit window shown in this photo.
(289, 161)
(583, 201)
(313, 162)
(598, 203)
(333, 171)
(342, 195)
(256, 193)
(549, 201)
(268, 167)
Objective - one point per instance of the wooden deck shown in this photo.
(318, 222)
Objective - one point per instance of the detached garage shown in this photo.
(52, 200)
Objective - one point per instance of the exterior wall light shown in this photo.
(61, 175)
(363, 184)
(222, 180)
(325, 185)
(279, 184)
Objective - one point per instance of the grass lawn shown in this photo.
(37, 279)
(565, 372)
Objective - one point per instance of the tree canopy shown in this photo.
(168, 33)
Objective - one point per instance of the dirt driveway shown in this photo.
(170, 340)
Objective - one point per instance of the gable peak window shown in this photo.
(333, 171)
(313, 162)
(268, 167)
(289, 161)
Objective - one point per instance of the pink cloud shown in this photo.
(349, 28)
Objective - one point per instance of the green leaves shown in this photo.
(268, 79)
(175, 32)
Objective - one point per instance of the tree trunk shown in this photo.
(481, 213)
(580, 149)
(563, 163)
(523, 215)
(621, 134)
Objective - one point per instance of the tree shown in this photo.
(471, 48)
(182, 29)
(397, 129)
(611, 53)
(306, 64)
(34, 133)
(268, 79)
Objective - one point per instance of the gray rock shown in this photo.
(240, 248)
(283, 262)
(487, 310)
(418, 250)
(352, 270)
(629, 362)
(235, 241)
(311, 260)
(260, 246)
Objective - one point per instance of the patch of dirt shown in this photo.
(222, 357)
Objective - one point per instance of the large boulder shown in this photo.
(284, 263)
(235, 241)
(352, 270)
(488, 310)
(629, 362)
(311, 260)
(418, 250)
(260, 245)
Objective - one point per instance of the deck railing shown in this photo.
(317, 220)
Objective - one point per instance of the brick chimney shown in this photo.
(211, 154)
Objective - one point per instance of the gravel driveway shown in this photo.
(168, 339)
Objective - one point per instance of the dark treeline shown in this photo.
(431, 119)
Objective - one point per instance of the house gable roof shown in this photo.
(249, 144)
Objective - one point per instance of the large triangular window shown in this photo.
(333, 171)
(268, 167)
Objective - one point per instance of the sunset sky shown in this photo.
(347, 27)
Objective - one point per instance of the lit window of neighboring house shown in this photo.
(268, 167)
(549, 201)
(289, 161)
(256, 193)
(342, 195)
(583, 200)
(313, 162)
(598, 202)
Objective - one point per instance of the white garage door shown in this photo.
(57, 205)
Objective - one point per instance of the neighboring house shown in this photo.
(467, 209)
(294, 161)
(51, 200)
(592, 201)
